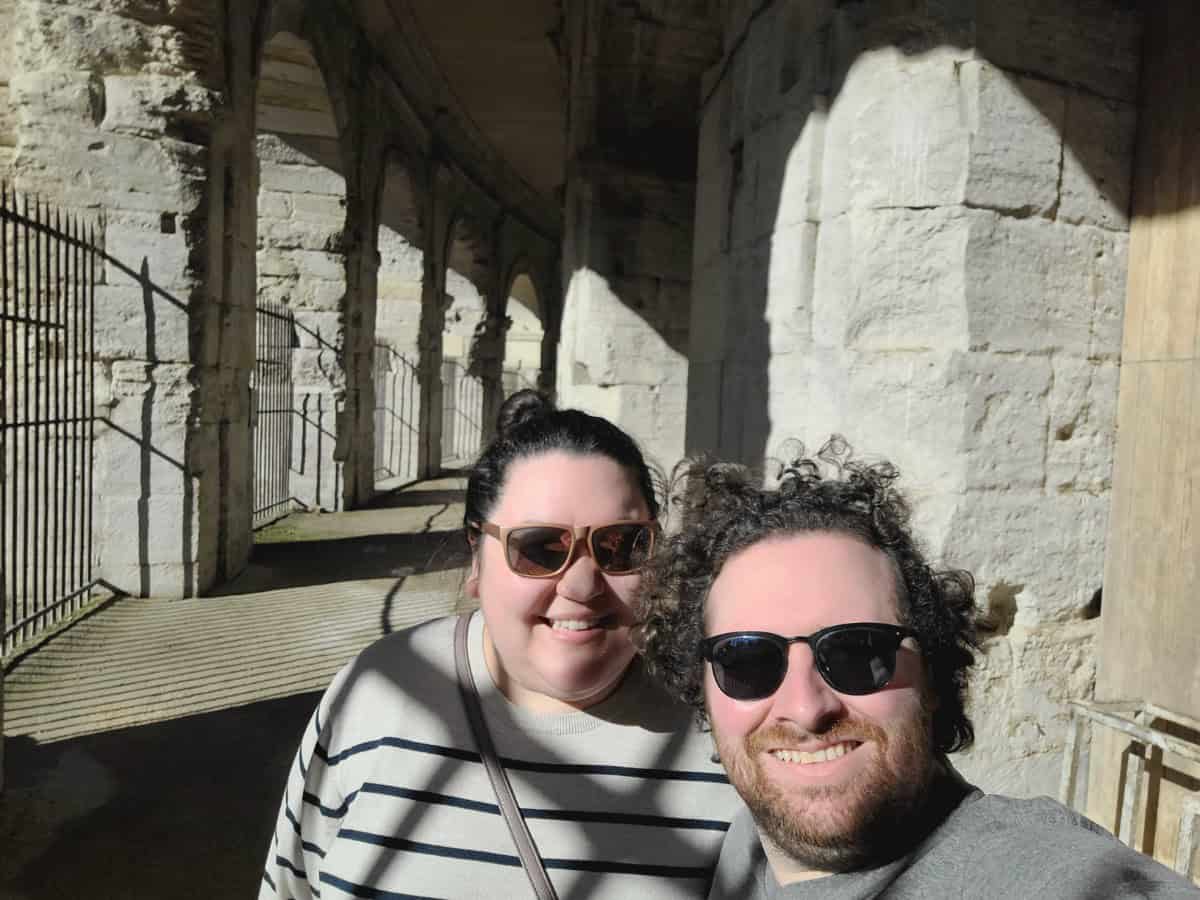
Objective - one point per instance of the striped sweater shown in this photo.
(387, 797)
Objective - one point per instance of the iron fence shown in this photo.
(274, 402)
(397, 415)
(48, 270)
(462, 412)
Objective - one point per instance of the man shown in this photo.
(804, 625)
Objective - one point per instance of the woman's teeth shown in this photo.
(574, 624)
(837, 751)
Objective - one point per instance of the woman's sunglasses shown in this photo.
(857, 658)
(544, 550)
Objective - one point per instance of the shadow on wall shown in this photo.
(835, 145)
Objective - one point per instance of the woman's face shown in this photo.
(562, 641)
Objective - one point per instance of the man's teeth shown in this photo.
(796, 756)
(574, 624)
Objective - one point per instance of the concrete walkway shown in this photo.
(147, 747)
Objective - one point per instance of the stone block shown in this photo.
(1082, 428)
(1003, 443)
(319, 207)
(146, 105)
(140, 256)
(274, 205)
(1035, 284)
(1048, 547)
(709, 331)
(801, 133)
(1016, 127)
(895, 135)
(892, 280)
(131, 323)
(278, 235)
(60, 96)
(1094, 45)
(791, 273)
(1098, 161)
(304, 179)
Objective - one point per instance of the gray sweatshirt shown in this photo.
(989, 846)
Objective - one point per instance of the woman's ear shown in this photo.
(471, 585)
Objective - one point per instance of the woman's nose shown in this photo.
(582, 580)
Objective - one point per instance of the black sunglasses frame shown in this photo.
(579, 533)
(708, 648)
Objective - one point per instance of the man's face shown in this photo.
(829, 777)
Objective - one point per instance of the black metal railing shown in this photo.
(397, 415)
(274, 407)
(462, 413)
(48, 270)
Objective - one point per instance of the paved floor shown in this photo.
(146, 748)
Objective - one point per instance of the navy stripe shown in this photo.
(313, 848)
(330, 812)
(626, 771)
(287, 864)
(401, 743)
(300, 763)
(291, 818)
(270, 883)
(604, 818)
(519, 765)
(555, 815)
(393, 843)
(503, 859)
(360, 890)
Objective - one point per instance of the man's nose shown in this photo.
(804, 699)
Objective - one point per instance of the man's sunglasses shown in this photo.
(856, 658)
(544, 550)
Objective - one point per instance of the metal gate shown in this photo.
(48, 267)
(462, 414)
(272, 391)
(397, 416)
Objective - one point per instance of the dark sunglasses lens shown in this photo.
(538, 550)
(622, 547)
(858, 660)
(748, 667)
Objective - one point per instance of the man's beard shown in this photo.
(840, 828)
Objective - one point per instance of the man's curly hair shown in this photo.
(725, 510)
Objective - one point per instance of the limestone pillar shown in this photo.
(634, 83)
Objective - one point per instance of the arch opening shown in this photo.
(298, 385)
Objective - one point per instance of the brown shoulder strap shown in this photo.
(530, 859)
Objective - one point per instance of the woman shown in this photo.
(387, 796)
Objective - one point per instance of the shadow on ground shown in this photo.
(181, 809)
(326, 561)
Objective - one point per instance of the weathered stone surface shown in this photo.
(894, 136)
(1097, 163)
(892, 279)
(1062, 286)
(1016, 138)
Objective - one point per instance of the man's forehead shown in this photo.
(824, 574)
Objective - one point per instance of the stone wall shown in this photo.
(912, 229)
(8, 130)
(301, 217)
(114, 111)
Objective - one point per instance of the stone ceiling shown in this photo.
(501, 63)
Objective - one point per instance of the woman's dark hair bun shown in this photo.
(523, 406)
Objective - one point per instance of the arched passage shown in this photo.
(397, 328)
(299, 379)
(465, 311)
(523, 338)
